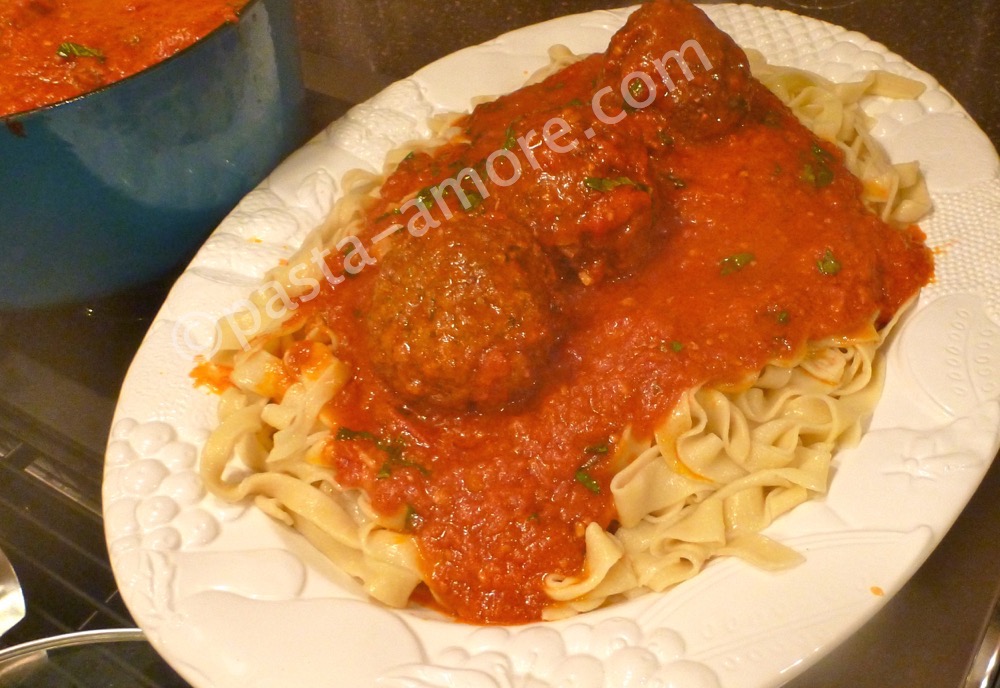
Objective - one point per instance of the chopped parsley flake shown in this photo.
(637, 89)
(595, 454)
(425, 197)
(474, 198)
(344, 433)
(610, 184)
(393, 450)
(817, 171)
(412, 520)
(828, 264)
(735, 263)
(585, 479)
(70, 50)
(510, 138)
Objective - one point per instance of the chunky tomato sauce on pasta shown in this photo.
(51, 50)
(504, 352)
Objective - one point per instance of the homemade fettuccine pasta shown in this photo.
(587, 338)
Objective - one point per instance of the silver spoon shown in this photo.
(11, 596)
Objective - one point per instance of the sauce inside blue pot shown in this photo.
(120, 186)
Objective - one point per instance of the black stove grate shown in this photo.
(52, 531)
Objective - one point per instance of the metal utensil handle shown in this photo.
(12, 608)
(112, 635)
(985, 669)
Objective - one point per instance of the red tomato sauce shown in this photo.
(755, 257)
(52, 50)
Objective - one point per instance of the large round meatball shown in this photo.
(701, 77)
(591, 206)
(463, 317)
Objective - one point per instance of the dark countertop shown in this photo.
(352, 50)
(923, 637)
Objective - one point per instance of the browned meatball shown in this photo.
(662, 37)
(591, 206)
(463, 318)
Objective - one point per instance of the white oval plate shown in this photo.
(233, 600)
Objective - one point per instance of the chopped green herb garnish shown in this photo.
(425, 197)
(585, 479)
(412, 520)
(510, 138)
(394, 459)
(828, 264)
(348, 434)
(735, 263)
(609, 184)
(475, 199)
(818, 175)
(665, 138)
(388, 213)
(821, 153)
(595, 454)
(393, 450)
(676, 346)
(637, 89)
(817, 172)
(576, 102)
(783, 317)
(70, 50)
